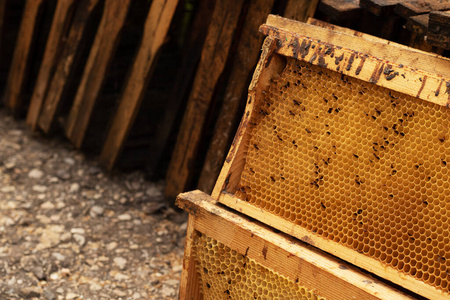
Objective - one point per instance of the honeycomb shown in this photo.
(357, 164)
(226, 274)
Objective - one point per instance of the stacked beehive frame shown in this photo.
(344, 144)
(228, 256)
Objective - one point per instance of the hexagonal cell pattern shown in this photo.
(356, 163)
(226, 274)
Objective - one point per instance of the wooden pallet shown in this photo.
(287, 264)
(394, 67)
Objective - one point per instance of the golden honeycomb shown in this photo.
(226, 274)
(355, 163)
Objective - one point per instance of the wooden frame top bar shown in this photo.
(403, 69)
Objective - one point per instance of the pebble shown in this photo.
(80, 239)
(47, 205)
(120, 262)
(8, 189)
(74, 187)
(124, 217)
(39, 272)
(49, 295)
(136, 296)
(39, 188)
(63, 174)
(111, 246)
(30, 292)
(70, 296)
(35, 174)
(65, 237)
(95, 287)
(69, 161)
(119, 293)
(78, 230)
(168, 291)
(58, 256)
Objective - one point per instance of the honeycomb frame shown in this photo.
(228, 256)
(427, 86)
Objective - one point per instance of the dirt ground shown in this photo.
(68, 230)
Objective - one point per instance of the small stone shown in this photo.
(154, 192)
(58, 256)
(168, 291)
(96, 211)
(69, 161)
(65, 237)
(47, 205)
(120, 262)
(124, 217)
(120, 277)
(136, 296)
(39, 188)
(49, 295)
(80, 239)
(93, 170)
(78, 230)
(36, 174)
(111, 246)
(63, 174)
(39, 272)
(65, 272)
(60, 290)
(30, 292)
(95, 287)
(55, 276)
(70, 296)
(183, 227)
(74, 187)
(119, 293)
(9, 164)
(8, 189)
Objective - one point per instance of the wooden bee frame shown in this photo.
(399, 69)
(291, 260)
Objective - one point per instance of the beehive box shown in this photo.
(344, 144)
(228, 256)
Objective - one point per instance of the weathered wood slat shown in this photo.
(338, 10)
(20, 62)
(66, 64)
(408, 9)
(155, 31)
(214, 56)
(61, 21)
(314, 270)
(439, 29)
(418, 24)
(300, 10)
(191, 56)
(379, 7)
(244, 63)
(102, 51)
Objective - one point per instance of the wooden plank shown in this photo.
(439, 29)
(155, 32)
(102, 51)
(66, 64)
(307, 267)
(191, 56)
(20, 62)
(189, 282)
(214, 56)
(300, 10)
(401, 61)
(243, 64)
(408, 9)
(418, 24)
(61, 21)
(379, 7)
(338, 10)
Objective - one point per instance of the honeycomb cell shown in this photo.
(243, 279)
(362, 165)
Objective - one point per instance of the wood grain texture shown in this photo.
(20, 62)
(189, 282)
(243, 63)
(312, 269)
(65, 64)
(439, 29)
(338, 10)
(408, 9)
(155, 32)
(410, 66)
(60, 23)
(214, 56)
(102, 51)
(379, 7)
(300, 10)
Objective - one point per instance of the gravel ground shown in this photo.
(70, 231)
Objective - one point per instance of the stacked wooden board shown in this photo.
(344, 146)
